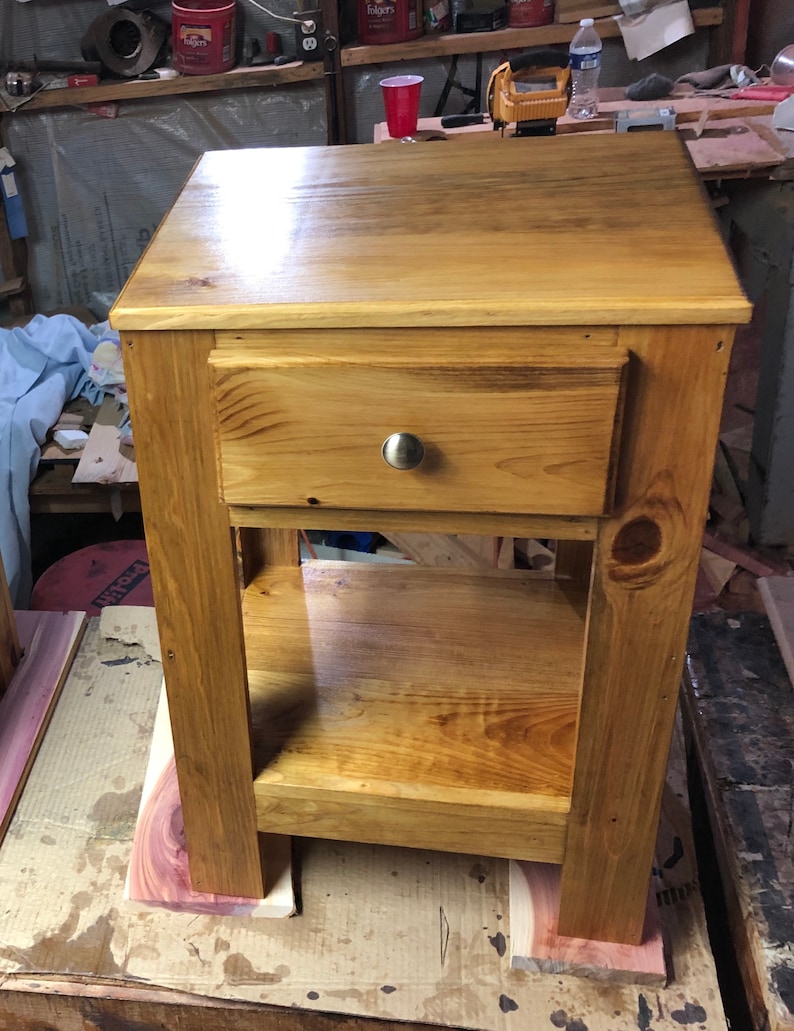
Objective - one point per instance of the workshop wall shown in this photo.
(771, 27)
(95, 187)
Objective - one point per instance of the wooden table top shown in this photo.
(570, 230)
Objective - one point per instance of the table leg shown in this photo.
(197, 596)
(645, 564)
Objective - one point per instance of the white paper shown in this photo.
(783, 117)
(649, 33)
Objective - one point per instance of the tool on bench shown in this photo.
(646, 119)
(530, 91)
(22, 77)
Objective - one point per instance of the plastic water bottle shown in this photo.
(585, 55)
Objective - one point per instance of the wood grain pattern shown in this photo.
(378, 700)
(580, 528)
(49, 640)
(436, 549)
(10, 648)
(310, 431)
(379, 716)
(362, 266)
(573, 560)
(196, 590)
(645, 565)
(260, 547)
(536, 945)
(158, 874)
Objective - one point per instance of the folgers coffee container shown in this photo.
(203, 36)
(389, 21)
(523, 14)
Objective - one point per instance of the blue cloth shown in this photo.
(42, 366)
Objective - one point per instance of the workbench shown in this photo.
(549, 346)
(385, 938)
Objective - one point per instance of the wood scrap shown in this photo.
(438, 549)
(743, 557)
(717, 569)
(49, 641)
(158, 874)
(732, 145)
(536, 946)
(102, 462)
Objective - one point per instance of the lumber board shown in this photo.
(739, 715)
(49, 641)
(733, 145)
(778, 595)
(101, 460)
(438, 549)
(10, 648)
(537, 945)
(386, 939)
(159, 874)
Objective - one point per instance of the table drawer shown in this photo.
(535, 434)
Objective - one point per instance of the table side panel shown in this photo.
(645, 565)
(196, 590)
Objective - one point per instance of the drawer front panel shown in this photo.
(532, 437)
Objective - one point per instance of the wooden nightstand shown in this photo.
(548, 326)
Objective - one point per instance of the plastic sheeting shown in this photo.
(95, 188)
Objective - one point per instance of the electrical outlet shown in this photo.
(308, 35)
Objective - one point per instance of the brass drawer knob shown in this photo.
(403, 451)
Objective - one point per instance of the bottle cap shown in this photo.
(585, 23)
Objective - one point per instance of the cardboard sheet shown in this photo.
(392, 933)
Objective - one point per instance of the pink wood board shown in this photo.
(158, 873)
(536, 945)
(49, 641)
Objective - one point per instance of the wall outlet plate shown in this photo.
(308, 35)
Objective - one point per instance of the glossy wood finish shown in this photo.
(298, 430)
(385, 264)
(380, 715)
(426, 236)
(645, 565)
(196, 591)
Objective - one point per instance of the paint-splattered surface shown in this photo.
(741, 705)
(391, 933)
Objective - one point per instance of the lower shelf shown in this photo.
(413, 706)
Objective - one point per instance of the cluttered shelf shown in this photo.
(440, 45)
(449, 44)
(138, 89)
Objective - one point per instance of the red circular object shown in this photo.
(115, 573)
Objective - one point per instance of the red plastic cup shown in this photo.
(401, 100)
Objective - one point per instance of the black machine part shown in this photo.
(540, 57)
(126, 43)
